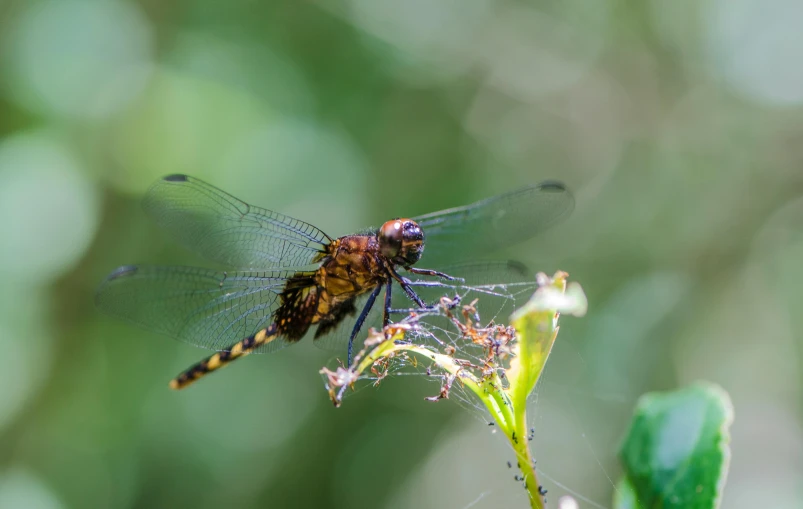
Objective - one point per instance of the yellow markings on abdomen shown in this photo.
(220, 359)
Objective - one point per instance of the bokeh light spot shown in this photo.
(440, 37)
(79, 58)
(293, 153)
(532, 52)
(265, 71)
(181, 124)
(50, 209)
(21, 489)
(757, 46)
(25, 338)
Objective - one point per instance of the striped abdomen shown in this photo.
(220, 359)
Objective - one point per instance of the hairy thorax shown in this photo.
(351, 267)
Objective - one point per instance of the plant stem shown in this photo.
(525, 460)
(503, 394)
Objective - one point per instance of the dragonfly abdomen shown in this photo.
(220, 359)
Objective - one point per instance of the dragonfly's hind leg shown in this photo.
(361, 319)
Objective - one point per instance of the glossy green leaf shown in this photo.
(676, 453)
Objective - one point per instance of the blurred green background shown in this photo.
(678, 124)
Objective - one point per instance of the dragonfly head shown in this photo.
(401, 240)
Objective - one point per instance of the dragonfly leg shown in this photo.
(361, 319)
(405, 284)
(430, 272)
(387, 310)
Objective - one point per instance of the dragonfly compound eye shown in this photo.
(401, 240)
(412, 246)
(390, 238)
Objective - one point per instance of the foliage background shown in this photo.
(677, 124)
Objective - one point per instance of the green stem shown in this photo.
(511, 418)
(536, 325)
(525, 459)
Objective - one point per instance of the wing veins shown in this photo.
(230, 231)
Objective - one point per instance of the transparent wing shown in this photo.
(499, 286)
(493, 223)
(229, 231)
(201, 307)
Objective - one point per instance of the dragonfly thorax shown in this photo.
(402, 241)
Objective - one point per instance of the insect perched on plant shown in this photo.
(287, 275)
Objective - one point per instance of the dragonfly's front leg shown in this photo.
(426, 310)
(405, 284)
(430, 272)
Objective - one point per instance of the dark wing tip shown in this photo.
(124, 271)
(176, 177)
(118, 273)
(519, 268)
(553, 186)
(559, 191)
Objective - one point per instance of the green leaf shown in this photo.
(536, 325)
(676, 452)
(625, 496)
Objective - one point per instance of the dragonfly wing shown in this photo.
(229, 231)
(494, 223)
(201, 307)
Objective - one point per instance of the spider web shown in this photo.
(494, 302)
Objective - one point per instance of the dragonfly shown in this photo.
(284, 276)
